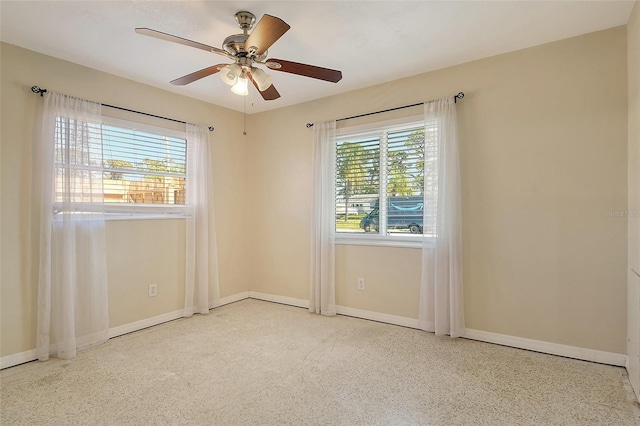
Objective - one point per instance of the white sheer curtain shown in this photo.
(72, 288)
(322, 298)
(201, 261)
(441, 298)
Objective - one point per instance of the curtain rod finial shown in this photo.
(37, 89)
(309, 125)
(211, 128)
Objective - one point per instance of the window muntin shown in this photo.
(135, 169)
(391, 161)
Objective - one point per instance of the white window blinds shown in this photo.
(386, 180)
(357, 178)
(134, 170)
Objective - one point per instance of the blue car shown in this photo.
(402, 213)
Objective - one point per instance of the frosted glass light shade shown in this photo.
(240, 88)
(262, 79)
(230, 74)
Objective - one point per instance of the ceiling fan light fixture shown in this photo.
(262, 79)
(241, 87)
(230, 74)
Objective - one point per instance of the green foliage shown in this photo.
(178, 168)
(415, 145)
(406, 166)
(119, 165)
(357, 169)
(399, 178)
(159, 166)
(117, 168)
(352, 223)
(351, 162)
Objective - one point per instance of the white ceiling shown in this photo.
(369, 41)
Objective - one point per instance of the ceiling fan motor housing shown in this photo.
(234, 44)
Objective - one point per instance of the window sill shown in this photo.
(148, 216)
(383, 240)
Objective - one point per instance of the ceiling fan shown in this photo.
(246, 51)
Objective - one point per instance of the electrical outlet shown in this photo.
(153, 290)
(361, 284)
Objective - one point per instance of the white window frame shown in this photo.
(128, 211)
(382, 128)
(134, 211)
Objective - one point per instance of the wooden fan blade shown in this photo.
(175, 39)
(312, 71)
(190, 78)
(267, 32)
(269, 94)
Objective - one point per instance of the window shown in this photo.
(384, 177)
(136, 169)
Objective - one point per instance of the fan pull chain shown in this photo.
(244, 117)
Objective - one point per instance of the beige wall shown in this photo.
(543, 135)
(544, 156)
(139, 252)
(633, 290)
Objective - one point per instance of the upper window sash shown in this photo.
(132, 144)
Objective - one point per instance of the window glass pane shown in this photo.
(387, 180)
(357, 183)
(143, 189)
(78, 161)
(142, 167)
(125, 166)
(405, 181)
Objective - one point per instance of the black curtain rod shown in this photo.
(460, 95)
(36, 89)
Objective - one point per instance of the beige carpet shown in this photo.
(256, 362)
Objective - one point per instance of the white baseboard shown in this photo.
(340, 310)
(483, 336)
(169, 316)
(147, 322)
(377, 316)
(17, 359)
(626, 365)
(301, 303)
(548, 347)
(27, 356)
(230, 299)
(30, 355)
(479, 335)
